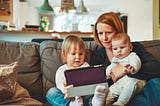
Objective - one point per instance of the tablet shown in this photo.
(85, 80)
(86, 75)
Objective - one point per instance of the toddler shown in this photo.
(73, 55)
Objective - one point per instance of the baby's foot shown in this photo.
(100, 96)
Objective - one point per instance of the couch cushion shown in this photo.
(50, 52)
(27, 55)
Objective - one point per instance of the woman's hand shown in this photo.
(118, 72)
(65, 90)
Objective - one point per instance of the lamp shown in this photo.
(46, 8)
(81, 8)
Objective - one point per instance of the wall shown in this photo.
(139, 12)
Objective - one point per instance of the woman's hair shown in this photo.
(111, 19)
(68, 42)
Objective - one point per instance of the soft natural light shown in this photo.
(68, 21)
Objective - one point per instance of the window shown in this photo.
(66, 22)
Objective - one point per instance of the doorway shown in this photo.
(156, 19)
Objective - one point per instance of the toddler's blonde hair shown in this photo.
(71, 40)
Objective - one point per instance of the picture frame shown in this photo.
(67, 5)
(22, 0)
(67, 1)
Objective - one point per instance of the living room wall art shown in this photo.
(67, 5)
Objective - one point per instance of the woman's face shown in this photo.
(105, 34)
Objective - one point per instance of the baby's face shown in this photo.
(75, 57)
(121, 49)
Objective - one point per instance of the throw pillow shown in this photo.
(21, 97)
(8, 77)
(11, 93)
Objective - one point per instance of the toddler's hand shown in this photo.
(65, 90)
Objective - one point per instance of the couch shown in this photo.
(38, 62)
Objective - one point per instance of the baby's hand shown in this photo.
(65, 90)
(129, 68)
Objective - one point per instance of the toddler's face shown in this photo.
(75, 56)
(121, 49)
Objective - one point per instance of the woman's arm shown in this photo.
(118, 72)
(150, 66)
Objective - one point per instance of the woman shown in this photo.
(107, 26)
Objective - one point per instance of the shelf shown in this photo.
(42, 32)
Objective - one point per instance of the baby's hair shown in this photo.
(71, 40)
(122, 36)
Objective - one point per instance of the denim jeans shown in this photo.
(150, 95)
(55, 97)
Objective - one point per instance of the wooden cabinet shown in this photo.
(6, 10)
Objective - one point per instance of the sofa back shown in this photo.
(38, 63)
(152, 46)
(29, 70)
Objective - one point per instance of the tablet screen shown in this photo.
(86, 75)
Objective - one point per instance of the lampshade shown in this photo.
(46, 7)
(81, 8)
